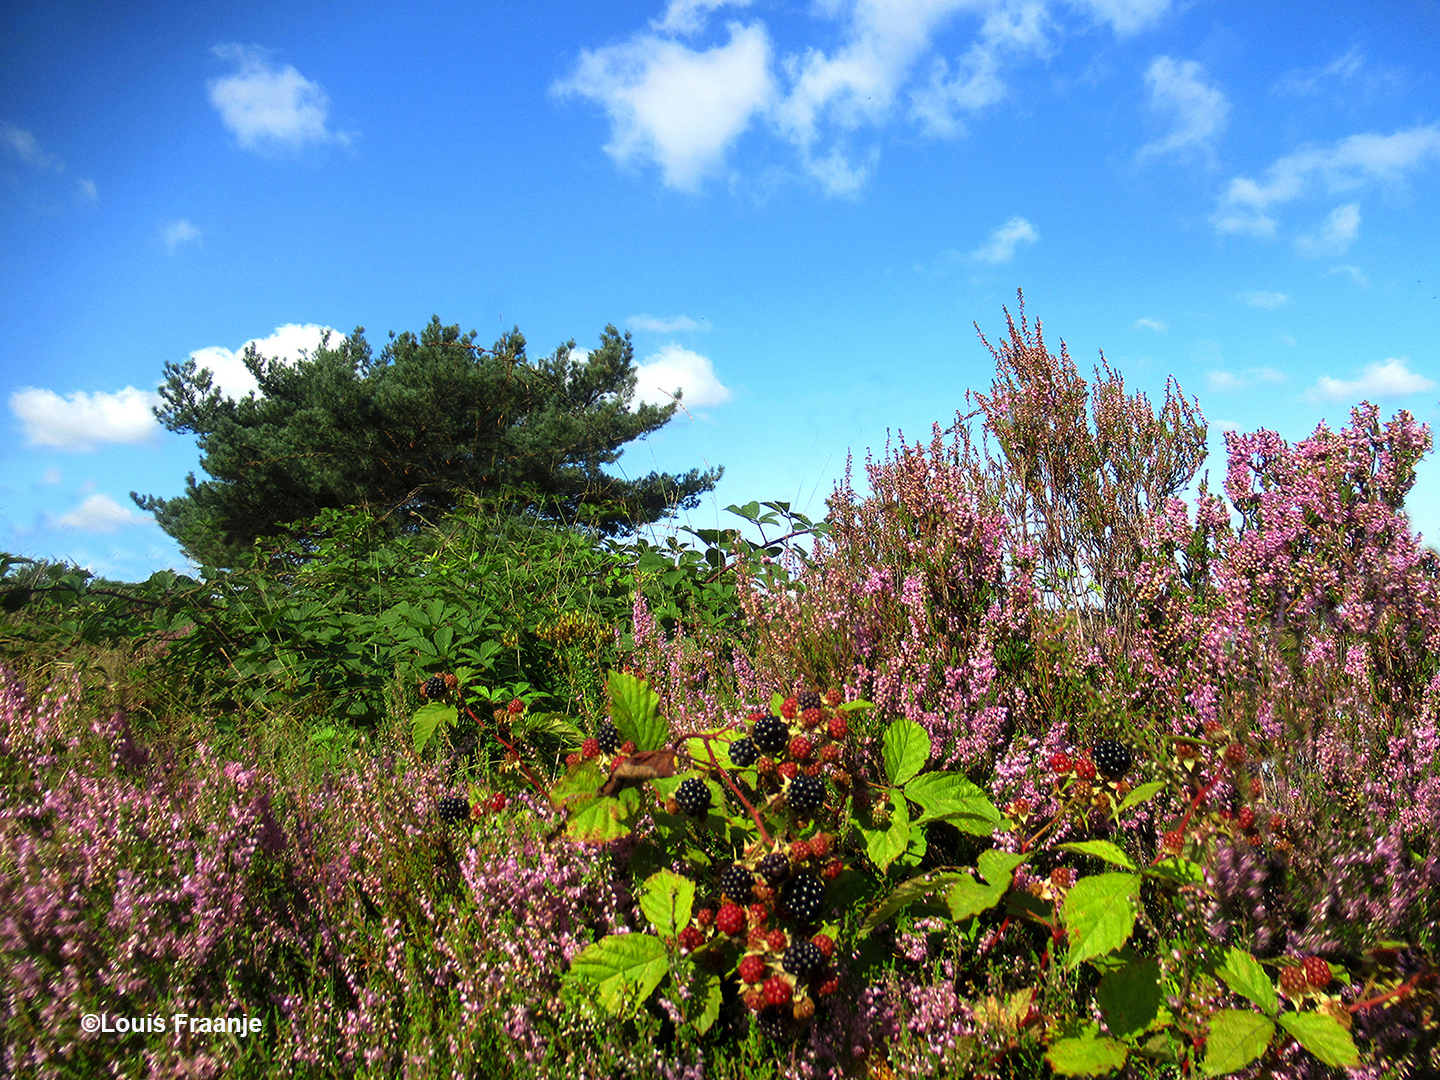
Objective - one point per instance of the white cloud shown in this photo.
(1267, 300)
(1196, 110)
(1225, 380)
(664, 326)
(1381, 380)
(1348, 164)
(1302, 82)
(1158, 325)
(270, 106)
(1001, 247)
(175, 233)
(1335, 236)
(82, 421)
(689, 16)
(677, 106)
(1126, 16)
(227, 368)
(101, 514)
(1354, 273)
(86, 191)
(27, 148)
(673, 367)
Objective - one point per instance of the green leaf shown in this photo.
(635, 709)
(886, 845)
(428, 719)
(1143, 793)
(1181, 871)
(582, 782)
(709, 993)
(1086, 1056)
(624, 970)
(948, 796)
(906, 749)
(1243, 974)
(1130, 998)
(1100, 914)
(905, 894)
(1101, 849)
(969, 897)
(1236, 1039)
(666, 901)
(1323, 1036)
(605, 818)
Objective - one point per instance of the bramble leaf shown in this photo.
(635, 710)
(1100, 914)
(1087, 1056)
(1323, 1036)
(906, 749)
(969, 897)
(1243, 974)
(666, 901)
(1141, 794)
(886, 845)
(905, 894)
(427, 719)
(624, 969)
(1130, 997)
(948, 796)
(1236, 1039)
(1101, 849)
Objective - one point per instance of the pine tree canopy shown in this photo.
(408, 433)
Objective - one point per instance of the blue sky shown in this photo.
(798, 209)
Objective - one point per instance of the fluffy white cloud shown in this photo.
(270, 106)
(101, 514)
(678, 106)
(1196, 110)
(83, 421)
(1381, 380)
(1158, 325)
(664, 326)
(1001, 245)
(1125, 16)
(1350, 163)
(1335, 235)
(1226, 380)
(27, 148)
(689, 16)
(1304, 82)
(672, 368)
(175, 234)
(1267, 300)
(228, 372)
(1354, 273)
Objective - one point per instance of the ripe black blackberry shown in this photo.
(804, 896)
(806, 794)
(743, 752)
(807, 699)
(803, 959)
(774, 868)
(1111, 758)
(453, 808)
(736, 883)
(608, 737)
(693, 797)
(775, 1024)
(434, 687)
(771, 734)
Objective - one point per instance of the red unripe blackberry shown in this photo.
(572, 760)
(777, 940)
(788, 769)
(1213, 727)
(810, 719)
(826, 944)
(832, 870)
(820, 845)
(755, 1001)
(829, 986)
(1060, 762)
(704, 917)
(1317, 972)
(498, 802)
(752, 968)
(777, 990)
(833, 698)
(516, 707)
(830, 753)
(1062, 877)
(789, 707)
(1173, 841)
(730, 919)
(838, 727)
(799, 851)
(590, 748)
(627, 747)
(800, 748)
(1294, 981)
(1246, 818)
(691, 938)
(1235, 754)
(1085, 769)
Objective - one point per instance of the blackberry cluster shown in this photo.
(774, 868)
(434, 687)
(736, 883)
(804, 896)
(743, 752)
(807, 794)
(803, 959)
(453, 808)
(693, 797)
(608, 737)
(771, 734)
(807, 699)
(1111, 758)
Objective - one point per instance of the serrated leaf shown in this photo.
(1100, 914)
(969, 897)
(777, 699)
(709, 993)
(1101, 849)
(605, 818)
(427, 720)
(1130, 998)
(624, 970)
(858, 703)
(581, 782)
(905, 894)
(1323, 1036)
(1087, 1056)
(906, 749)
(1243, 974)
(886, 845)
(948, 796)
(1236, 1039)
(1143, 793)
(1181, 871)
(635, 710)
(666, 900)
